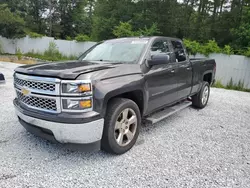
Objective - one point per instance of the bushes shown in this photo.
(218, 84)
(231, 85)
(153, 30)
(210, 47)
(68, 38)
(82, 38)
(51, 54)
(125, 29)
(34, 35)
(227, 50)
(247, 52)
(194, 47)
(1, 48)
(19, 54)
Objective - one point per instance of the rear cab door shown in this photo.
(184, 70)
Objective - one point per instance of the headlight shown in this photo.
(77, 104)
(76, 96)
(76, 87)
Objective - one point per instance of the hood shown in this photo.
(72, 70)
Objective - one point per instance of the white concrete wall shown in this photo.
(236, 67)
(41, 44)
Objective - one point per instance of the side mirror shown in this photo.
(159, 59)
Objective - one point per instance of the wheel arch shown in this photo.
(136, 95)
(208, 76)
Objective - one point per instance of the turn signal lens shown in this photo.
(76, 104)
(84, 87)
(77, 87)
(85, 104)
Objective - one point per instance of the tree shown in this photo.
(225, 21)
(11, 24)
(35, 21)
(242, 33)
(124, 29)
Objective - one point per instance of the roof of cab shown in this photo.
(145, 38)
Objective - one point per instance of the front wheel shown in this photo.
(200, 100)
(121, 126)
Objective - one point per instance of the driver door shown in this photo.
(161, 79)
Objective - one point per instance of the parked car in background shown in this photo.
(2, 79)
(102, 98)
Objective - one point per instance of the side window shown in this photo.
(159, 47)
(179, 51)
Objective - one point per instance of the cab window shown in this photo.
(179, 51)
(159, 47)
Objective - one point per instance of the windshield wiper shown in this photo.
(103, 60)
(109, 61)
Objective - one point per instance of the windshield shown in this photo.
(116, 51)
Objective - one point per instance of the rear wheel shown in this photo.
(121, 127)
(200, 100)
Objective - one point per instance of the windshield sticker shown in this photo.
(139, 42)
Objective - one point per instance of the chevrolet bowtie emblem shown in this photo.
(25, 91)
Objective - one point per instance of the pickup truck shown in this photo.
(100, 100)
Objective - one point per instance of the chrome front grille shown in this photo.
(47, 104)
(44, 93)
(41, 93)
(35, 85)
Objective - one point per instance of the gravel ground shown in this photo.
(193, 148)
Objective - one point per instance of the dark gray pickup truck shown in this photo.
(100, 100)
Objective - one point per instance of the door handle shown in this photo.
(172, 71)
(189, 68)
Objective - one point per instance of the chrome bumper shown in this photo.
(84, 133)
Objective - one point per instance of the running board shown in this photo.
(158, 116)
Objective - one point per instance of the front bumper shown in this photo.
(65, 133)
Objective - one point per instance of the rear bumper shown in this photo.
(65, 133)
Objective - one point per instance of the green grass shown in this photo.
(231, 85)
(50, 57)
(51, 54)
(218, 84)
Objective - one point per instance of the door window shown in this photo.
(179, 51)
(159, 47)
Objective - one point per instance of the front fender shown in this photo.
(104, 90)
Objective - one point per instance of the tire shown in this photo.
(197, 100)
(114, 139)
